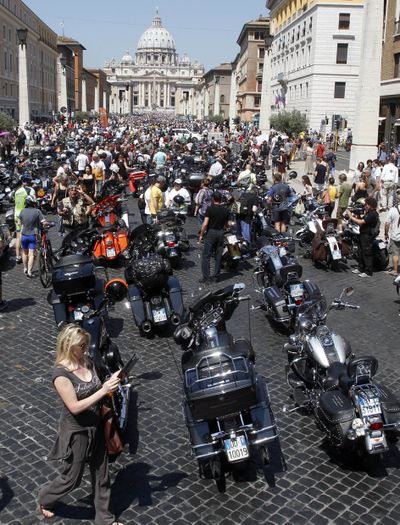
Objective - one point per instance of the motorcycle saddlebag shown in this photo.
(336, 413)
(273, 298)
(73, 274)
(390, 405)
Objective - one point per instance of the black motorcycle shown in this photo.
(338, 389)
(79, 296)
(226, 403)
(278, 280)
(171, 240)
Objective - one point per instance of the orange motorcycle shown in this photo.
(111, 236)
(135, 179)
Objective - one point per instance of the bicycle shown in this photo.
(46, 257)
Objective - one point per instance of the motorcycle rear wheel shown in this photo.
(45, 264)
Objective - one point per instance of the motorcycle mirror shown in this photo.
(239, 286)
(348, 291)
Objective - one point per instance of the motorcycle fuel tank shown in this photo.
(326, 347)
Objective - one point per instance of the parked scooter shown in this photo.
(79, 296)
(338, 389)
(226, 403)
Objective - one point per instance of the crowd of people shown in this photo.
(103, 161)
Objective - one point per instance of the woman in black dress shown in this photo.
(80, 437)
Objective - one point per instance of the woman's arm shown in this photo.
(67, 393)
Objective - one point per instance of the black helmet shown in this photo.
(179, 200)
(116, 289)
(292, 174)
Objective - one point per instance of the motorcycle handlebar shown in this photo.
(244, 298)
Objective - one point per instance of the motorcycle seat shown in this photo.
(333, 375)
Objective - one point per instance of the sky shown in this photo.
(206, 30)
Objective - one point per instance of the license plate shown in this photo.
(110, 252)
(282, 251)
(78, 316)
(159, 315)
(297, 290)
(382, 245)
(236, 449)
(333, 245)
(232, 239)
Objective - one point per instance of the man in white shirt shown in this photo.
(177, 190)
(82, 161)
(246, 178)
(389, 180)
(392, 232)
(216, 168)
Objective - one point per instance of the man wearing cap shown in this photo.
(20, 203)
(177, 190)
(99, 173)
(112, 184)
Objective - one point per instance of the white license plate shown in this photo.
(297, 290)
(282, 251)
(78, 316)
(110, 252)
(236, 449)
(335, 251)
(382, 245)
(232, 239)
(159, 315)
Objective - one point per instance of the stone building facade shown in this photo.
(156, 78)
(315, 58)
(42, 57)
(217, 90)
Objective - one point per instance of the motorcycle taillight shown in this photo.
(298, 301)
(171, 244)
(377, 425)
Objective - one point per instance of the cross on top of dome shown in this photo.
(157, 20)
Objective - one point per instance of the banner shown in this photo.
(103, 118)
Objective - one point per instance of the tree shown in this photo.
(289, 122)
(218, 119)
(6, 122)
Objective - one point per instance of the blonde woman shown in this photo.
(80, 437)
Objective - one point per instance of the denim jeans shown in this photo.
(246, 231)
(213, 244)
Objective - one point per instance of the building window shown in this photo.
(341, 53)
(340, 89)
(397, 65)
(344, 21)
(258, 35)
(261, 52)
(222, 99)
(257, 102)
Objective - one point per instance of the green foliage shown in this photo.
(289, 122)
(218, 119)
(6, 122)
(236, 121)
(82, 115)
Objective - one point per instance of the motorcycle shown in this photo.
(351, 242)
(234, 250)
(226, 404)
(278, 279)
(171, 238)
(155, 296)
(79, 296)
(136, 178)
(338, 389)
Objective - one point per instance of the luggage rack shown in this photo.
(218, 369)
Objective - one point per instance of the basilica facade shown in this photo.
(156, 78)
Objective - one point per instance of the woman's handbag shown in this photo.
(112, 434)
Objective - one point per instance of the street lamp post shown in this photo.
(84, 96)
(23, 88)
(265, 110)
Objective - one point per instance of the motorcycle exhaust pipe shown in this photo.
(146, 327)
(175, 320)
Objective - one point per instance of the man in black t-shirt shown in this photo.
(248, 206)
(212, 230)
(320, 175)
(368, 228)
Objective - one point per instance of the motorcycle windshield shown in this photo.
(314, 311)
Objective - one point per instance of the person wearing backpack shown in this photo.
(203, 201)
(246, 178)
(392, 232)
(278, 198)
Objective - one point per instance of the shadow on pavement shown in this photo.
(135, 482)
(6, 493)
(17, 304)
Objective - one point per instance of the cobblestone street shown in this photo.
(156, 480)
